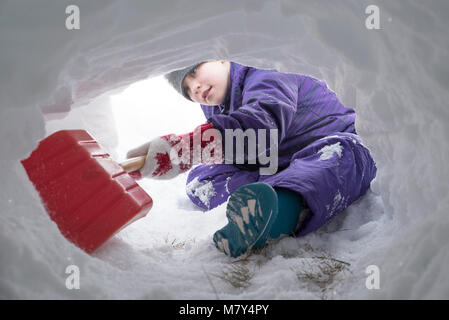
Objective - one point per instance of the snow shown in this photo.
(396, 78)
(328, 152)
(203, 190)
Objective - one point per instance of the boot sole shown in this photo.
(251, 211)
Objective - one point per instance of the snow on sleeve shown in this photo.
(227, 183)
(201, 190)
(327, 152)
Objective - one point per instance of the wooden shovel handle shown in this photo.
(133, 164)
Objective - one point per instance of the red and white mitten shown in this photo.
(169, 155)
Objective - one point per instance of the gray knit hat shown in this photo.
(175, 78)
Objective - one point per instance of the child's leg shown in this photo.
(208, 186)
(257, 212)
(330, 174)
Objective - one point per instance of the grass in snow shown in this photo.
(315, 269)
(237, 275)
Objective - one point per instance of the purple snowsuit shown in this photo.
(320, 155)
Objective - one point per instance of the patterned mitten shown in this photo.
(168, 156)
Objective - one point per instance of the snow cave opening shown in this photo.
(125, 118)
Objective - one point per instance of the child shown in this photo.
(322, 165)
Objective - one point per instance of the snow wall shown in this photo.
(396, 78)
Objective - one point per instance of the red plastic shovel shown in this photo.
(88, 195)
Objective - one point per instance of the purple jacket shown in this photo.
(320, 155)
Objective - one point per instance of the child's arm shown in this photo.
(169, 155)
(269, 102)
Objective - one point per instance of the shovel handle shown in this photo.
(133, 164)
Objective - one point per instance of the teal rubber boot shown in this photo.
(251, 212)
(289, 209)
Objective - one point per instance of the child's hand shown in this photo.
(172, 154)
(164, 157)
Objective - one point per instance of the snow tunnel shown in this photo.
(395, 76)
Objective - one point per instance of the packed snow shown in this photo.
(328, 152)
(203, 190)
(104, 77)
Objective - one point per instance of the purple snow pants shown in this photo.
(330, 174)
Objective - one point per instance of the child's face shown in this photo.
(208, 83)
